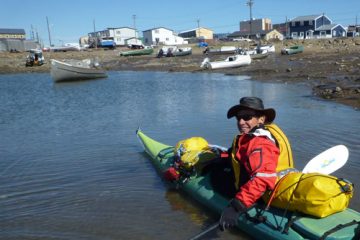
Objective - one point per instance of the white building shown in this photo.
(162, 36)
(119, 35)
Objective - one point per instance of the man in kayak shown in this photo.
(254, 157)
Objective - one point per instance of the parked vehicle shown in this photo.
(110, 44)
(35, 58)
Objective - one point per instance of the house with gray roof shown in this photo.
(10, 33)
(314, 26)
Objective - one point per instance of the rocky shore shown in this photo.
(331, 67)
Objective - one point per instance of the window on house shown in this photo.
(157, 31)
(301, 35)
(306, 23)
(322, 33)
(294, 34)
(118, 32)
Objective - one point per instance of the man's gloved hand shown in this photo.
(230, 214)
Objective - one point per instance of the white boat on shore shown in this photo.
(230, 62)
(222, 50)
(73, 70)
(174, 51)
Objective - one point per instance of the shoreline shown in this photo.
(331, 67)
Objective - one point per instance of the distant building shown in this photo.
(281, 28)
(314, 26)
(199, 33)
(265, 35)
(353, 31)
(221, 36)
(118, 35)
(162, 36)
(9, 33)
(15, 40)
(272, 35)
(84, 41)
(255, 26)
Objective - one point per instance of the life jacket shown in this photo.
(285, 161)
(285, 158)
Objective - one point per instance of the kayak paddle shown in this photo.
(328, 161)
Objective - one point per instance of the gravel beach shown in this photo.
(331, 67)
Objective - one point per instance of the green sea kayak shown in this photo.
(259, 223)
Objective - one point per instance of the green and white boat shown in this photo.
(147, 50)
(292, 50)
(274, 223)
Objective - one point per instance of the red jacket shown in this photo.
(258, 154)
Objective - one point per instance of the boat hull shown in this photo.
(62, 71)
(230, 62)
(137, 52)
(201, 189)
(182, 52)
(292, 50)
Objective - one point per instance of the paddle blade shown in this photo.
(328, 161)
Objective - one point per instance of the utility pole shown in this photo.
(286, 27)
(250, 3)
(47, 21)
(134, 19)
(198, 23)
(32, 36)
(95, 35)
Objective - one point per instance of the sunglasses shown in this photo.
(245, 117)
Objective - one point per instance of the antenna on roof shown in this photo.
(250, 3)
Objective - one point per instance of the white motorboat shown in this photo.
(70, 70)
(230, 62)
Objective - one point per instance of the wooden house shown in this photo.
(198, 33)
(8, 33)
(162, 36)
(119, 35)
(314, 26)
(263, 34)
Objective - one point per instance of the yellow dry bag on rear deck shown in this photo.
(315, 194)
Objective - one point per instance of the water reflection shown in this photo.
(72, 168)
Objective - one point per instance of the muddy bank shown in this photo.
(330, 67)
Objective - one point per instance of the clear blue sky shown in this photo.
(69, 20)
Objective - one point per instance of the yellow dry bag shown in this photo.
(315, 194)
(193, 151)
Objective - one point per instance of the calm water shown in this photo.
(71, 166)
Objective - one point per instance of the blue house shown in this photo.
(314, 26)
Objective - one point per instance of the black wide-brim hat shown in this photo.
(253, 103)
